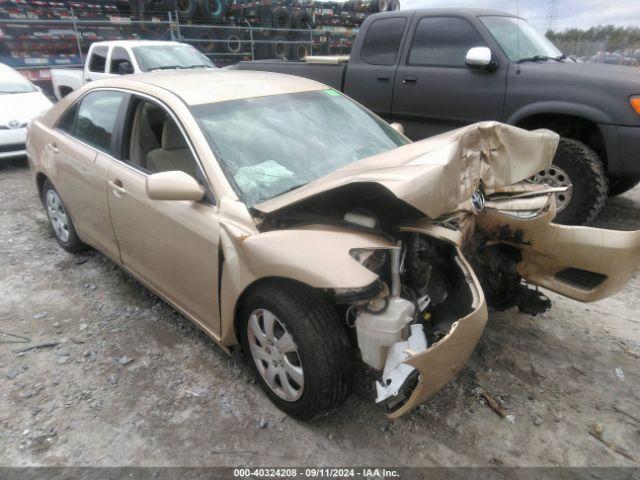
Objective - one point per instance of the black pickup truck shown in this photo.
(435, 70)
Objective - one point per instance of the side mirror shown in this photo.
(480, 57)
(125, 68)
(397, 127)
(174, 185)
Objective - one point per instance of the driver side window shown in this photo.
(120, 62)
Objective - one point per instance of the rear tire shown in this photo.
(620, 185)
(60, 220)
(278, 48)
(586, 173)
(211, 9)
(320, 340)
(186, 9)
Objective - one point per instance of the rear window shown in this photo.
(98, 59)
(383, 41)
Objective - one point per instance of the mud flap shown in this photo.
(583, 263)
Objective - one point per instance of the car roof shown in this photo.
(136, 43)
(196, 87)
(471, 12)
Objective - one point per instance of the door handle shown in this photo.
(409, 80)
(54, 147)
(383, 79)
(118, 188)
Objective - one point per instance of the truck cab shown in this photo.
(124, 57)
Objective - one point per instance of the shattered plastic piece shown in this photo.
(396, 374)
(619, 373)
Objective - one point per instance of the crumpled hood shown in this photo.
(437, 174)
(22, 106)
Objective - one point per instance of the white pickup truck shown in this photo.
(123, 57)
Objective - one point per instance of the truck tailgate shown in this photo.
(332, 75)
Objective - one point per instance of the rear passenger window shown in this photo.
(382, 42)
(443, 42)
(96, 119)
(68, 121)
(98, 59)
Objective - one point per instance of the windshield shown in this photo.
(270, 145)
(530, 45)
(14, 83)
(153, 57)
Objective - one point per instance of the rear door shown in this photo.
(171, 245)
(434, 91)
(371, 72)
(81, 142)
(96, 67)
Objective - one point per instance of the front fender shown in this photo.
(560, 108)
(318, 257)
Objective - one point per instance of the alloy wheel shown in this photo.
(275, 355)
(57, 216)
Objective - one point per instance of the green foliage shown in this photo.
(615, 37)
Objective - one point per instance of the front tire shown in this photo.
(295, 344)
(60, 220)
(579, 167)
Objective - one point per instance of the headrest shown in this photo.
(172, 138)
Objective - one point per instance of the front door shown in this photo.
(171, 245)
(434, 91)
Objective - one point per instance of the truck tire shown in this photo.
(280, 18)
(278, 48)
(234, 41)
(301, 20)
(299, 51)
(313, 375)
(380, 5)
(186, 9)
(577, 165)
(211, 9)
(394, 5)
(620, 185)
(204, 42)
(61, 223)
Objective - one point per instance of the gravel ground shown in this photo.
(131, 382)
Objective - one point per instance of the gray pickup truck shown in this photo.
(435, 70)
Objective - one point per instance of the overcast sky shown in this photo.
(570, 13)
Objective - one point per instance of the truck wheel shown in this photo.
(211, 9)
(186, 8)
(234, 41)
(294, 343)
(301, 20)
(579, 168)
(620, 185)
(278, 48)
(60, 220)
(280, 18)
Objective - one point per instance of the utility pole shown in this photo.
(552, 13)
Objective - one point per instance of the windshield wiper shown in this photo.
(542, 58)
(199, 65)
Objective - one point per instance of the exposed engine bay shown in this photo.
(425, 284)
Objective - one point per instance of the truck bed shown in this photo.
(329, 74)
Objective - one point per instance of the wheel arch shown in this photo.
(40, 179)
(251, 287)
(581, 126)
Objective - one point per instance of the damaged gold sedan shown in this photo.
(282, 217)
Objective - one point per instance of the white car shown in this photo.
(20, 101)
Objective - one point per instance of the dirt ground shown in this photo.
(131, 382)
